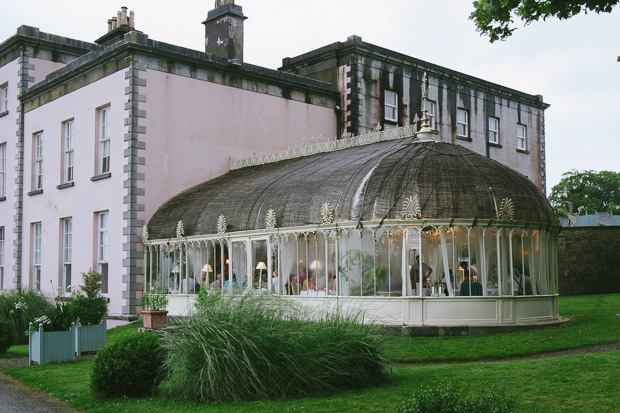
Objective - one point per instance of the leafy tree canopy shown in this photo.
(589, 191)
(494, 18)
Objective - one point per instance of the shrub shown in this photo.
(448, 399)
(89, 310)
(6, 335)
(261, 347)
(21, 307)
(92, 283)
(129, 366)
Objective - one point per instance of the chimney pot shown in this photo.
(131, 20)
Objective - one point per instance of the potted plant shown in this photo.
(154, 313)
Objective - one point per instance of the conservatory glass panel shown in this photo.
(382, 261)
(259, 275)
(350, 262)
(505, 263)
(431, 259)
(331, 263)
(414, 265)
(477, 268)
(396, 263)
(369, 278)
(238, 268)
(461, 254)
(491, 264)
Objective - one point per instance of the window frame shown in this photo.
(103, 226)
(389, 107)
(36, 254)
(3, 170)
(103, 141)
(37, 159)
(2, 235)
(462, 123)
(493, 131)
(4, 98)
(521, 138)
(68, 149)
(67, 253)
(429, 105)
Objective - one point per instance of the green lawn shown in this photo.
(592, 321)
(574, 383)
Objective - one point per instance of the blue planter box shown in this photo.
(47, 346)
(90, 338)
(51, 345)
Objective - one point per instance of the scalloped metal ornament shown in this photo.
(327, 213)
(507, 211)
(145, 233)
(270, 219)
(221, 224)
(180, 231)
(411, 208)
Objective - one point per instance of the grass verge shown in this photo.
(585, 383)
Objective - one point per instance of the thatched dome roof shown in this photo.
(368, 182)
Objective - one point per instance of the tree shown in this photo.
(494, 18)
(588, 191)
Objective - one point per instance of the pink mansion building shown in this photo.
(95, 137)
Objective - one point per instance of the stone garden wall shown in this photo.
(589, 260)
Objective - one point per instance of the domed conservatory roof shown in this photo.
(363, 183)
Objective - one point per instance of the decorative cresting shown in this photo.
(411, 208)
(270, 219)
(221, 224)
(322, 146)
(327, 213)
(180, 230)
(507, 212)
(145, 233)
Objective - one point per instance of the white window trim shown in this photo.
(389, 107)
(2, 286)
(2, 170)
(67, 252)
(464, 123)
(522, 139)
(429, 105)
(38, 161)
(493, 125)
(104, 141)
(103, 222)
(4, 98)
(36, 255)
(68, 161)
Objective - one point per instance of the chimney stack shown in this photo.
(224, 30)
(117, 27)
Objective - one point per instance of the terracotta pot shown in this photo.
(154, 319)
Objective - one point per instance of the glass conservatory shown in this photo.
(410, 231)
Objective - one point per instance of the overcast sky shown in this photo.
(572, 63)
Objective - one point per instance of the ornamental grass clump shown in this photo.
(244, 348)
(21, 307)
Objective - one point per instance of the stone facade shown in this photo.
(363, 73)
(588, 260)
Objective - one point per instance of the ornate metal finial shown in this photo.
(344, 134)
(221, 224)
(507, 212)
(180, 230)
(425, 131)
(145, 233)
(377, 127)
(411, 208)
(327, 213)
(270, 219)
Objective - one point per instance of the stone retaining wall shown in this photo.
(589, 260)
